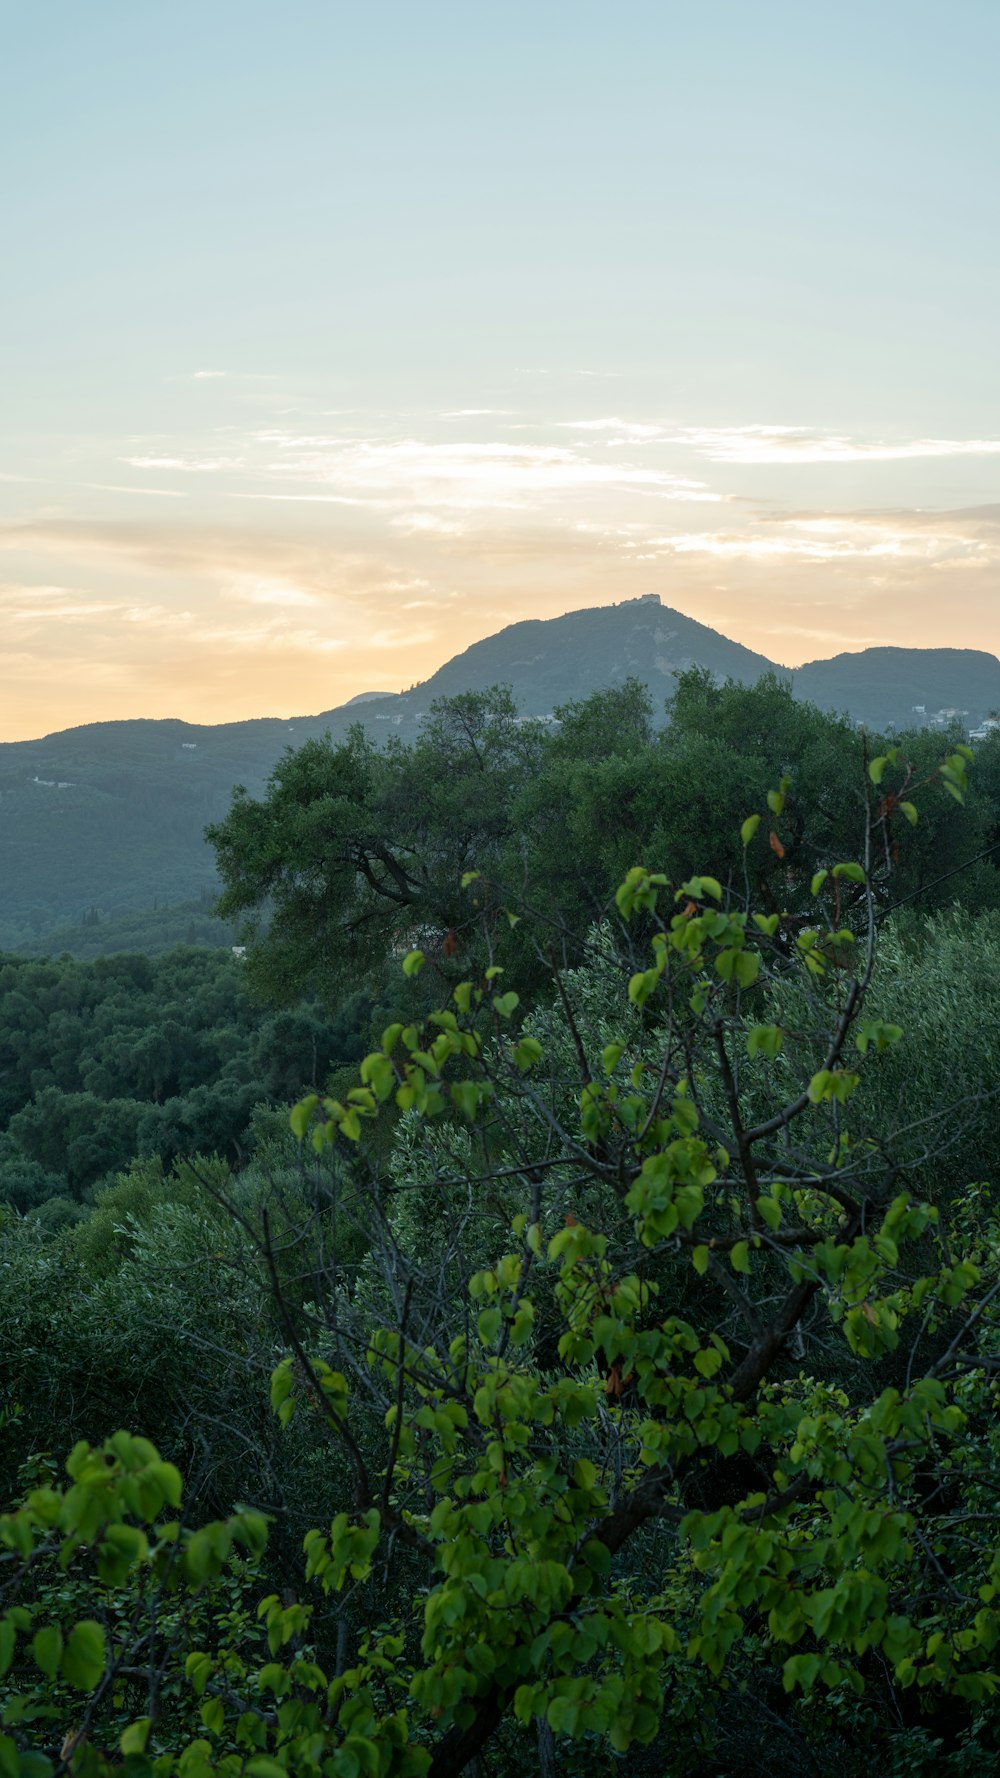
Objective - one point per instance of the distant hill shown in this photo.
(110, 816)
(885, 685)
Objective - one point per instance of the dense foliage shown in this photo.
(608, 1361)
(356, 850)
(129, 1055)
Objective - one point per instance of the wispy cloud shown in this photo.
(249, 589)
(189, 465)
(831, 538)
(791, 445)
(121, 488)
(779, 445)
(639, 430)
(470, 473)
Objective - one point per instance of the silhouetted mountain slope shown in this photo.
(111, 815)
(882, 685)
(553, 660)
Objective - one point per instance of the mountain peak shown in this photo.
(111, 815)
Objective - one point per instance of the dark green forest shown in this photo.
(535, 1305)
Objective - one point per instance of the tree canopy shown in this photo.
(355, 853)
(647, 1363)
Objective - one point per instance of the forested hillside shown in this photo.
(549, 1284)
(151, 931)
(109, 819)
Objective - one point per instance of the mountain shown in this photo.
(553, 660)
(898, 685)
(111, 815)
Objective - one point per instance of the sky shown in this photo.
(334, 337)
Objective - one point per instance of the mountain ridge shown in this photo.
(111, 814)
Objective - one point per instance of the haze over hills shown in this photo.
(111, 815)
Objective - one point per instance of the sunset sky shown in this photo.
(339, 335)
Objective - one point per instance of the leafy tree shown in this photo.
(353, 854)
(600, 1479)
(353, 851)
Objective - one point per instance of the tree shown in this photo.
(353, 851)
(353, 855)
(721, 1408)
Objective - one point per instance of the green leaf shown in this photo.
(767, 923)
(910, 811)
(877, 768)
(832, 1083)
(301, 1115)
(696, 889)
(699, 1259)
(468, 1096)
(853, 872)
(413, 963)
(739, 1258)
(764, 1040)
(879, 1033)
(818, 880)
(85, 1658)
(378, 1073)
(742, 967)
(134, 1738)
(644, 983)
(47, 1647)
(213, 1715)
(470, 876)
(749, 828)
(527, 1053)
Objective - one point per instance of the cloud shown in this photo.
(302, 499)
(784, 445)
(426, 524)
(470, 473)
(830, 538)
(190, 465)
(802, 445)
(119, 488)
(251, 590)
(639, 430)
(201, 375)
